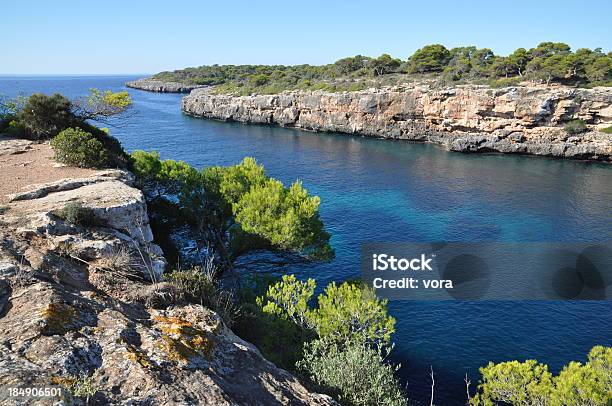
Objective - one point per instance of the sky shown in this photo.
(121, 37)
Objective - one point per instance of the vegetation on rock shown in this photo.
(549, 62)
(80, 143)
(40, 116)
(575, 127)
(241, 201)
(531, 383)
(341, 344)
(354, 374)
(76, 213)
(75, 147)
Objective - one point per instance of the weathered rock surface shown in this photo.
(153, 85)
(70, 312)
(119, 208)
(12, 146)
(521, 120)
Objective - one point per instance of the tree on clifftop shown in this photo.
(384, 64)
(430, 58)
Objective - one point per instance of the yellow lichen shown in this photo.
(65, 381)
(181, 341)
(137, 356)
(59, 318)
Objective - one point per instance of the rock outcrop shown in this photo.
(153, 85)
(79, 309)
(520, 120)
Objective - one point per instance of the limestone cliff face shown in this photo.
(524, 120)
(77, 305)
(153, 85)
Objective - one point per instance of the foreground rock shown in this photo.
(78, 310)
(153, 85)
(519, 120)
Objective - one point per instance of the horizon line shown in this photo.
(74, 74)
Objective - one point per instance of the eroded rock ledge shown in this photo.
(519, 120)
(77, 302)
(153, 85)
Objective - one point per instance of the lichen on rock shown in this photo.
(181, 340)
(70, 316)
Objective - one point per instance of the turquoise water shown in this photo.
(385, 191)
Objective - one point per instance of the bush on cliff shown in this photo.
(341, 344)
(575, 127)
(76, 147)
(349, 312)
(241, 201)
(286, 217)
(45, 116)
(352, 312)
(353, 374)
(146, 165)
(531, 383)
(76, 213)
(199, 285)
(40, 116)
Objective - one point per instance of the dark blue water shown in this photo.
(373, 190)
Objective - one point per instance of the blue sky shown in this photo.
(143, 37)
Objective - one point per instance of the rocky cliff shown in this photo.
(520, 120)
(80, 309)
(153, 85)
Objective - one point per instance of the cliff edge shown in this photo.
(153, 85)
(470, 118)
(80, 309)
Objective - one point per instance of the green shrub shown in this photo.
(15, 128)
(505, 82)
(607, 130)
(430, 58)
(76, 147)
(288, 299)
(255, 211)
(259, 80)
(199, 285)
(116, 154)
(341, 344)
(352, 312)
(235, 181)
(530, 383)
(275, 334)
(76, 213)
(195, 283)
(286, 217)
(279, 339)
(78, 389)
(146, 165)
(45, 116)
(354, 374)
(575, 127)
(348, 312)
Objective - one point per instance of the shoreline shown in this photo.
(158, 86)
(515, 120)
